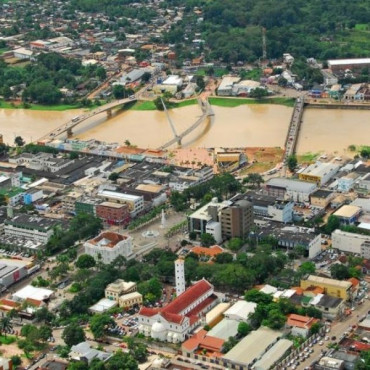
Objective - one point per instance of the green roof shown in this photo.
(10, 193)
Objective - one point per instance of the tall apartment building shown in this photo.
(237, 220)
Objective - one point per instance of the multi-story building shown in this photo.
(321, 198)
(134, 202)
(350, 242)
(237, 219)
(107, 246)
(348, 214)
(113, 213)
(118, 288)
(332, 287)
(35, 228)
(69, 201)
(87, 205)
(131, 299)
(346, 183)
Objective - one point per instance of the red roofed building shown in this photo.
(300, 325)
(202, 341)
(173, 322)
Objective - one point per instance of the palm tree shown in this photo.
(5, 325)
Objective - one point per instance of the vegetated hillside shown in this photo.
(316, 28)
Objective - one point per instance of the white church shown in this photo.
(173, 322)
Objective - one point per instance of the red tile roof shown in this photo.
(211, 252)
(304, 322)
(173, 311)
(202, 340)
(113, 238)
(354, 281)
(184, 300)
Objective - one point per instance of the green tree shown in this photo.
(78, 365)
(5, 325)
(73, 334)
(44, 315)
(307, 268)
(275, 319)
(339, 271)
(258, 297)
(255, 179)
(140, 352)
(85, 261)
(45, 332)
(146, 77)
(332, 224)
(244, 329)
(315, 328)
(235, 244)
(122, 361)
(207, 240)
(224, 258)
(258, 93)
(114, 176)
(292, 163)
(16, 360)
(99, 324)
(73, 155)
(18, 141)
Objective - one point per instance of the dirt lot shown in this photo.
(262, 159)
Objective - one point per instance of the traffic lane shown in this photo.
(337, 329)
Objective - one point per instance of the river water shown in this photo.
(243, 126)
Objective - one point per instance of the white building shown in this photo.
(226, 86)
(35, 228)
(108, 246)
(281, 211)
(364, 183)
(215, 229)
(346, 183)
(288, 189)
(180, 276)
(319, 173)
(135, 202)
(176, 320)
(173, 80)
(241, 310)
(348, 242)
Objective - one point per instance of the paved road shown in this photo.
(337, 329)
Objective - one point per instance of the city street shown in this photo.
(337, 329)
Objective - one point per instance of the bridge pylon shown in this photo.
(69, 132)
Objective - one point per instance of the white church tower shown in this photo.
(180, 276)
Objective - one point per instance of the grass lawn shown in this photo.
(145, 105)
(307, 157)
(9, 339)
(235, 102)
(185, 103)
(3, 50)
(60, 107)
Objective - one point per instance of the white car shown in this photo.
(321, 343)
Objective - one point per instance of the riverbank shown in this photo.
(53, 108)
(236, 102)
(149, 105)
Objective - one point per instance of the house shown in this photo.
(107, 246)
(202, 341)
(321, 198)
(300, 325)
(210, 252)
(130, 300)
(177, 319)
(226, 86)
(84, 352)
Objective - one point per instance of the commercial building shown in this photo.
(13, 196)
(113, 213)
(32, 195)
(365, 249)
(348, 214)
(108, 246)
(119, 287)
(332, 287)
(252, 347)
(197, 221)
(10, 272)
(237, 220)
(287, 189)
(347, 183)
(134, 202)
(35, 228)
(240, 311)
(329, 363)
(69, 201)
(319, 173)
(349, 242)
(273, 355)
(356, 64)
(35, 294)
(177, 319)
(331, 308)
(87, 205)
(225, 329)
(321, 198)
(226, 86)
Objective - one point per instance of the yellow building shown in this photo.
(319, 173)
(332, 287)
(321, 198)
(116, 289)
(130, 300)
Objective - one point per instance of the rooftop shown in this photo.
(322, 280)
(225, 329)
(347, 211)
(33, 222)
(29, 291)
(108, 239)
(242, 309)
(340, 62)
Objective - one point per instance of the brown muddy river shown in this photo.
(243, 126)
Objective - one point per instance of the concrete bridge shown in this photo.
(70, 125)
(206, 112)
